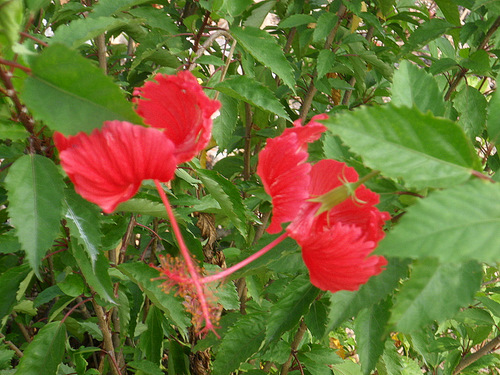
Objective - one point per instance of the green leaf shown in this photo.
(264, 48)
(35, 191)
(251, 91)
(326, 61)
(80, 31)
(493, 123)
(456, 224)
(297, 20)
(178, 361)
(83, 221)
(344, 305)
(9, 285)
(85, 96)
(287, 312)
(151, 339)
(316, 318)
(11, 17)
(318, 359)
(434, 292)
(431, 152)
(471, 105)
(491, 305)
(11, 130)
(143, 207)
(147, 279)
(96, 275)
(450, 11)
(225, 124)
(259, 12)
(44, 354)
(428, 31)
(110, 7)
(370, 330)
(326, 22)
(146, 367)
(242, 340)
(413, 86)
(228, 197)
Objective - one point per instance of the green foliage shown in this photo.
(410, 91)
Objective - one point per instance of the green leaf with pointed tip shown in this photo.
(228, 197)
(241, 341)
(110, 7)
(326, 61)
(44, 354)
(96, 275)
(413, 86)
(471, 106)
(296, 20)
(253, 92)
(493, 123)
(370, 330)
(426, 32)
(35, 191)
(147, 279)
(404, 143)
(264, 48)
(226, 123)
(288, 311)
(83, 221)
(11, 18)
(456, 224)
(80, 31)
(344, 304)
(434, 292)
(85, 96)
(9, 285)
(152, 338)
(11, 130)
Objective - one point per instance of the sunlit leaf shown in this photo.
(453, 225)
(404, 143)
(434, 292)
(264, 48)
(85, 96)
(44, 354)
(35, 191)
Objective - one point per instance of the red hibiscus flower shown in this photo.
(108, 166)
(336, 244)
(178, 105)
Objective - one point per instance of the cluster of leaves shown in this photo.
(78, 295)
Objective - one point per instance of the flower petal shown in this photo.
(338, 259)
(284, 171)
(108, 166)
(285, 175)
(178, 105)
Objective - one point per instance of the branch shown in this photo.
(295, 344)
(106, 335)
(311, 91)
(11, 345)
(463, 71)
(487, 349)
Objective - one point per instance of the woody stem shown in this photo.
(243, 263)
(187, 257)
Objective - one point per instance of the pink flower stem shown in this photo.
(245, 262)
(187, 257)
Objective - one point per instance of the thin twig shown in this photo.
(207, 44)
(11, 345)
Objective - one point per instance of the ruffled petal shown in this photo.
(108, 166)
(178, 105)
(285, 176)
(284, 170)
(338, 259)
(308, 133)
